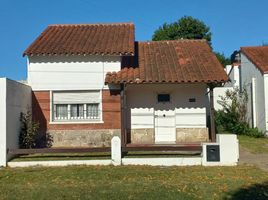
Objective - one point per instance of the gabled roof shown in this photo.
(175, 61)
(84, 39)
(258, 56)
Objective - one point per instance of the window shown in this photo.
(77, 111)
(93, 111)
(163, 98)
(61, 111)
(192, 100)
(76, 106)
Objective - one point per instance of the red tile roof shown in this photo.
(84, 39)
(258, 56)
(170, 61)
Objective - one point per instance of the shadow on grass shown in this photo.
(158, 154)
(253, 192)
(70, 156)
(45, 157)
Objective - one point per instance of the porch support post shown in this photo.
(212, 114)
(123, 114)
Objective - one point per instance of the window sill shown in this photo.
(76, 122)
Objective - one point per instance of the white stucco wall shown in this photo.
(234, 76)
(266, 102)
(218, 93)
(3, 122)
(70, 72)
(248, 72)
(15, 98)
(142, 103)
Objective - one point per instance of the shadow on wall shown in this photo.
(43, 138)
(256, 192)
(71, 59)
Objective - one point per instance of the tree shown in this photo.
(188, 27)
(224, 60)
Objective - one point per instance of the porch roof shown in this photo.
(178, 61)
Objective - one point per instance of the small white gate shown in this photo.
(165, 128)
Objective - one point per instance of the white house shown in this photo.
(93, 81)
(254, 76)
(234, 73)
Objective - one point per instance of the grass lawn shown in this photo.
(133, 182)
(254, 145)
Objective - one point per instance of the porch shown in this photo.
(166, 115)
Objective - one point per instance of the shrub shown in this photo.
(233, 116)
(28, 131)
(30, 136)
(254, 132)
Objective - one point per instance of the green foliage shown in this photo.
(233, 116)
(186, 27)
(30, 137)
(254, 132)
(223, 59)
(28, 131)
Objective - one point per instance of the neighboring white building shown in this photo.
(233, 72)
(254, 76)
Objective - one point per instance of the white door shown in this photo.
(165, 129)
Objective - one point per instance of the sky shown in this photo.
(233, 23)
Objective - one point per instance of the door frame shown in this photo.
(155, 126)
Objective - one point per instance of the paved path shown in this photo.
(259, 160)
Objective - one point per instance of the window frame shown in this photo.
(169, 99)
(69, 120)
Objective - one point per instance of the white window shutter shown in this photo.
(76, 97)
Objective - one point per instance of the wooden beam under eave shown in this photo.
(123, 116)
(212, 114)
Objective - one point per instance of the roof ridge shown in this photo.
(94, 24)
(248, 47)
(180, 40)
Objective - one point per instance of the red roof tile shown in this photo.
(84, 39)
(258, 56)
(170, 61)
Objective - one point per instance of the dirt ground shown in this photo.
(259, 160)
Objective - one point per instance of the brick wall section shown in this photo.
(110, 106)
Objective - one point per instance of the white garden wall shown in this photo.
(15, 98)
(70, 72)
(228, 150)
